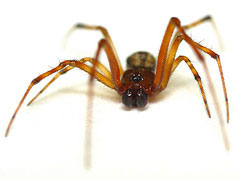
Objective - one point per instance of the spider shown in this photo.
(143, 77)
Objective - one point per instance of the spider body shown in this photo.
(137, 79)
(144, 76)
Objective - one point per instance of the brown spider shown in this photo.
(139, 81)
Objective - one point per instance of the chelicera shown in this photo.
(144, 76)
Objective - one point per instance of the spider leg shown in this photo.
(162, 55)
(106, 36)
(100, 66)
(94, 61)
(169, 65)
(200, 21)
(63, 71)
(217, 58)
(113, 63)
(196, 75)
(63, 64)
(170, 60)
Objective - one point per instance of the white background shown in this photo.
(172, 138)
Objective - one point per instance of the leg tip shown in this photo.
(79, 25)
(208, 17)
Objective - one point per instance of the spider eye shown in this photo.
(136, 78)
(136, 98)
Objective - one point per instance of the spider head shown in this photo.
(135, 97)
(136, 84)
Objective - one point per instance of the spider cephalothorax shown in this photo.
(137, 80)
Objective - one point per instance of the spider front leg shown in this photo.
(63, 64)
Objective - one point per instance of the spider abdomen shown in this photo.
(141, 59)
